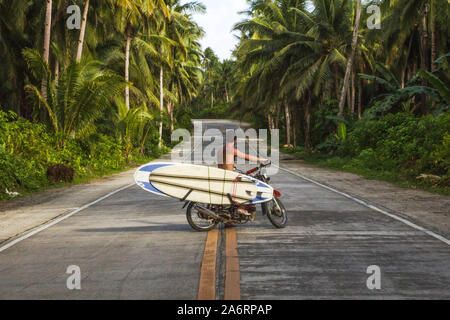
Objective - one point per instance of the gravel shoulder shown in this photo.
(426, 209)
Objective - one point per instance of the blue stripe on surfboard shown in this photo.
(150, 187)
(260, 184)
(259, 199)
(153, 167)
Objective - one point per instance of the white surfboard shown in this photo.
(201, 183)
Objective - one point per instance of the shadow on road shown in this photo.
(169, 227)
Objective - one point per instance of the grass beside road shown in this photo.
(80, 179)
(398, 177)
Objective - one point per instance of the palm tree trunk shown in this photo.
(424, 38)
(161, 103)
(46, 48)
(127, 70)
(360, 88)
(212, 100)
(406, 62)
(350, 59)
(288, 123)
(353, 92)
(294, 128)
(424, 55)
(82, 31)
(270, 117)
(277, 117)
(226, 93)
(349, 98)
(433, 35)
(308, 126)
(402, 81)
(170, 107)
(47, 31)
(433, 49)
(414, 72)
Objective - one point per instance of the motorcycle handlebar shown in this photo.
(266, 163)
(261, 165)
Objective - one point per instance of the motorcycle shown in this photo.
(205, 217)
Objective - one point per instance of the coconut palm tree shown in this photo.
(134, 126)
(185, 33)
(348, 70)
(179, 32)
(131, 16)
(82, 31)
(14, 21)
(408, 24)
(78, 99)
(296, 50)
(46, 46)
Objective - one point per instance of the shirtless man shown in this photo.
(226, 158)
(226, 155)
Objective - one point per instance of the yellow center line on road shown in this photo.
(232, 274)
(207, 284)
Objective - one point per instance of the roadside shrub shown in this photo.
(323, 122)
(441, 155)
(17, 174)
(102, 153)
(401, 142)
(31, 156)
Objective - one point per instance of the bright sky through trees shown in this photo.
(217, 22)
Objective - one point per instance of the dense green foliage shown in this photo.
(401, 141)
(391, 116)
(217, 88)
(398, 148)
(97, 98)
(28, 149)
(364, 98)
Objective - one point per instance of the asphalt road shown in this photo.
(135, 245)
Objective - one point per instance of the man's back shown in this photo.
(225, 158)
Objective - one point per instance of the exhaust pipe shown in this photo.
(209, 213)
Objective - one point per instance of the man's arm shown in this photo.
(248, 157)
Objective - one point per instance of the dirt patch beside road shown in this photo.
(428, 210)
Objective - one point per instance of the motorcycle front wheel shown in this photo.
(276, 212)
(199, 221)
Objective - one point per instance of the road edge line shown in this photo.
(232, 273)
(57, 220)
(370, 206)
(207, 282)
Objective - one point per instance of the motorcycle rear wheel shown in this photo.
(199, 221)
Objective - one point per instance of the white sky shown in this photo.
(218, 22)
